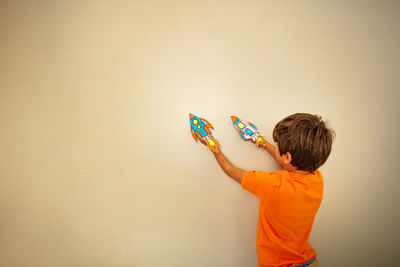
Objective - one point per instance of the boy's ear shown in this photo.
(287, 158)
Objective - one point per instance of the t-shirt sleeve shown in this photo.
(261, 184)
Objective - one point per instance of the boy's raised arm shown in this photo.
(237, 173)
(230, 170)
(271, 149)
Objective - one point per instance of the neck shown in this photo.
(291, 168)
(301, 172)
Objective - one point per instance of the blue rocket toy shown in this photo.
(200, 129)
(248, 131)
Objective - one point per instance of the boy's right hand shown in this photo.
(261, 141)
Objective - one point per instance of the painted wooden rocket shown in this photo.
(200, 129)
(248, 131)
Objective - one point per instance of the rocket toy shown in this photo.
(248, 131)
(200, 129)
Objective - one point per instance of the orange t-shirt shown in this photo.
(288, 204)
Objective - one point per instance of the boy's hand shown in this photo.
(261, 141)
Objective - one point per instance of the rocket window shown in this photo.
(240, 125)
(249, 132)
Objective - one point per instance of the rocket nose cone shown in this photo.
(233, 118)
(191, 115)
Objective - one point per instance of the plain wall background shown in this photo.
(97, 163)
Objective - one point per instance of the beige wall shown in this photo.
(97, 164)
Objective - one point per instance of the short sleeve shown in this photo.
(261, 184)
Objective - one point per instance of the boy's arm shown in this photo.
(271, 149)
(230, 170)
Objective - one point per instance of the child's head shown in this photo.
(305, 140)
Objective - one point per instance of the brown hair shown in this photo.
(306, 138)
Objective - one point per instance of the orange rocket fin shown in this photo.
(208, 123)
(198, 135)
(194, 136)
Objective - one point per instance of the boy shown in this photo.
(289, 198)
